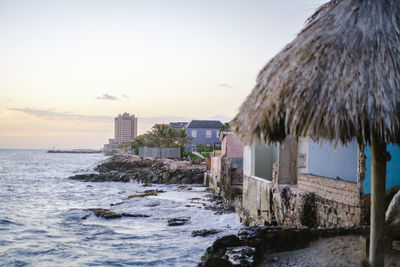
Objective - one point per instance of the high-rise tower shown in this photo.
(125, 128)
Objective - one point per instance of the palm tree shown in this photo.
(226, 127)
(163, 135)
(182, 138)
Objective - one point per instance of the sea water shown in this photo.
(42, 216)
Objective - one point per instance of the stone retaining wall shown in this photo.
(316, 201)
(330, 189)
(337, 202)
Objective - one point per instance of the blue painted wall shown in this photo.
(201, 137)
(324, 160)
(392, 169)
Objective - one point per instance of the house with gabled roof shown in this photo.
(178, 125)
(203, 132)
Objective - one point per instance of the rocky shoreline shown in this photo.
(254, 245)
(126, 168)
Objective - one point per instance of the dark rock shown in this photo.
(186, 180)
(255, 243)
(185, 187)
(240, 256)
(178, 221)
(147, 193)
(227, 241)
(125, 214)
(123, 168)
(205, 232)
(108, 214)
(216, 253)
(118, 203)
(215, 262)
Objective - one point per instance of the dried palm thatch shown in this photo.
(339, 79)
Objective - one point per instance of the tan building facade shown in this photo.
(125, 128)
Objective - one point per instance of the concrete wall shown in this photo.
(323, 160)
(317, 201)
(231, 146)
(216, 168)
(248, 158)
(288, 161)
(392, 168)
(259, 159)
(157, 152)
(257, 200)
(264, 158)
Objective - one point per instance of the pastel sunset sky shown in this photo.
(67, 68)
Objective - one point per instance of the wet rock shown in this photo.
(186, 180)
(178, 221)
(240, 256)
(227, 241)
(108, 214)
(185, 187)
(166, 175)
(216, 253)
(124, 168)
(205, 232)
(125, 214)
(147, 193)
(393, 217)
(116, 204)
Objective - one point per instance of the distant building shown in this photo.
(203, 132)
(125, 128)
(108, 148)
(175, 125)
(178, 125)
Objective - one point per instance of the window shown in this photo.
(217, 133)
(208, 134)
(302, 161)
(194, 133)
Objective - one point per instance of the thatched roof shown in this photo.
(339, 79)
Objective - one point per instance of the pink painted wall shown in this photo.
(216, 167)
(231, 146)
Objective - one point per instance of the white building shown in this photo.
(125, 128)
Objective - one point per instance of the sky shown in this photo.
(67, 68)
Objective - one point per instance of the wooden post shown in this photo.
(378, 181)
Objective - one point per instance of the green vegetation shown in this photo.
(226, 127)
(162, 135)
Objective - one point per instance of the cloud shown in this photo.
(107, 97)
(53, 115)
(125, 96)
(144, 123)
(225, 85)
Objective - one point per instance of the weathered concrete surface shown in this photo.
(257, 200)
(266, 202)
(293, 207)
(228, 181)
